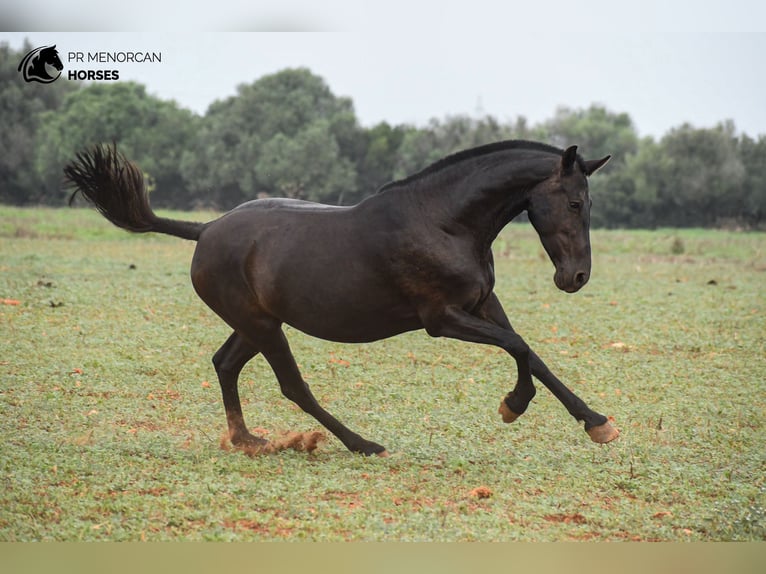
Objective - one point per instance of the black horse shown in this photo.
(34, 65)
(415, 255)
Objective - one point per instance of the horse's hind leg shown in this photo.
(229, 361)
(277, 352)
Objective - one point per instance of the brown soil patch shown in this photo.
(575, 518)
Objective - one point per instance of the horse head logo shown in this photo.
(34, 66)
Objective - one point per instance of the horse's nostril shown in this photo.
(580, 278)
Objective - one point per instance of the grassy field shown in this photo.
(111, 413)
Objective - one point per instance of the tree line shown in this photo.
(287, 134)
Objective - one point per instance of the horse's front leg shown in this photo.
(596, 425)
(456, 323)
(515, 403)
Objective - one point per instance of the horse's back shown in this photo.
(286, 204)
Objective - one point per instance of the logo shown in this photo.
(44, 65)
(34, 66)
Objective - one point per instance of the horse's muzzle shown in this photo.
(571, 282)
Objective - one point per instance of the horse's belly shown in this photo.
(358, 321)
(359, 333)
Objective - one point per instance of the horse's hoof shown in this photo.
(242, 440)
(508, 415)
(603, 434)
(384, 454)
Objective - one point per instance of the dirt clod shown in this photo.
(300, 441)
(481, 492)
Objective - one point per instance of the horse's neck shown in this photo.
(484, 197)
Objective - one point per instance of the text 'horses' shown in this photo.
(415, 255)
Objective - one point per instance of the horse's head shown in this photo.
(51, 57)
(33, 66)
(559, 209)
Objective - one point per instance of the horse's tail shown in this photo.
(115, 186)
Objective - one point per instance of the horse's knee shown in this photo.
(218, 360)
(222, 366)
(232, 356)
(517, 348)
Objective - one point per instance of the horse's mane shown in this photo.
(472, 153)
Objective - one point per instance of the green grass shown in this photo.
(111, 413)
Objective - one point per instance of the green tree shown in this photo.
(151, 131)
(237, 155)
(306, 166)
(701, 178)
(377, 157)
(752, 154)
(21, 106)
(625, 196)
(596, 131)
(691, 177)
(423, 146)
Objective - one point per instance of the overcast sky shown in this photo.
(664, 64)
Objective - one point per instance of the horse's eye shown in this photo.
(575, 205)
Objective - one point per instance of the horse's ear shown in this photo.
(568, 159)
(594, 164)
